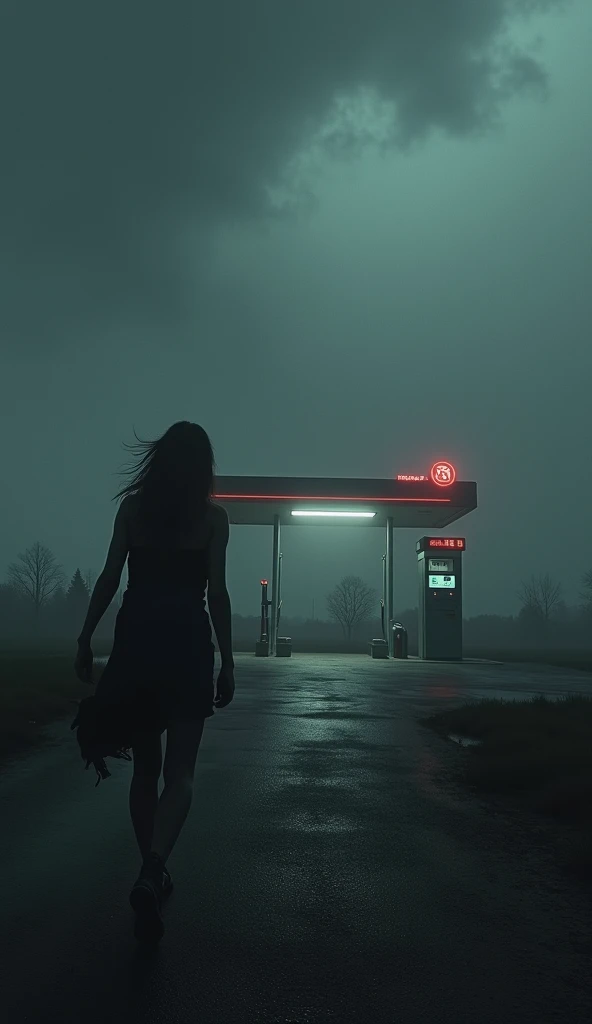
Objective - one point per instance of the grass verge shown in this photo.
(580, 660)
(34, 691)
(538, 755)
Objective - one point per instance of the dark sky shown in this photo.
(345, 237)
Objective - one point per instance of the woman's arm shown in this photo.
(218, 597)
(108, 582)
(102, 596)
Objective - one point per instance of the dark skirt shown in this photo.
(162, 659)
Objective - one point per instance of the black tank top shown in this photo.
(168, 570)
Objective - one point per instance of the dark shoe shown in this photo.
(146, 900)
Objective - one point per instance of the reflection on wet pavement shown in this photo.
(330, 868)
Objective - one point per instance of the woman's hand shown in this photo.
(83, 664)
(225, 686)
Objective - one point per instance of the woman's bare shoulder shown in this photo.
(129, 504)
(218, 512)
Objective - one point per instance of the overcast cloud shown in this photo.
(344, 236)
(129, 125)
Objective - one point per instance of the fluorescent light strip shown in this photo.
(354, 515)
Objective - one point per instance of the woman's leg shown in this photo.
(183, 740)
(143, 797)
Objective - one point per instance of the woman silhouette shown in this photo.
(174, 538)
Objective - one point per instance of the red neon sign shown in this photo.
(323, 497)
(456, 543)
(443, 474)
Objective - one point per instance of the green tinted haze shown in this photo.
(345, 238)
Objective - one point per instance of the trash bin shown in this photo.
(283, 647)
(262, 648)
(379, 648)
(399, 641)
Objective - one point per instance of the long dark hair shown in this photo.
(174, 480)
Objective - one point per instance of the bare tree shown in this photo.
(350, 603)
(541, 595)
(36, 576)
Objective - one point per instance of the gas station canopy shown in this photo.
(412, 502)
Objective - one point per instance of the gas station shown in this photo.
(425, 502)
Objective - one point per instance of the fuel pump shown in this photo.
(262, 645)
(440, 620)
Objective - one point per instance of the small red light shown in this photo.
(443, 474)
(263, 583)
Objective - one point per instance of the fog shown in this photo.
(346, 238)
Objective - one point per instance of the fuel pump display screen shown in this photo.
(440, 565)
(441, 582)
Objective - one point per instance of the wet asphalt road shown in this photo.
(329, 870)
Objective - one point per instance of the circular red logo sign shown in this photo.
(443, 474)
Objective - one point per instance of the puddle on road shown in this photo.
(464, 741)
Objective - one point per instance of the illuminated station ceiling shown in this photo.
(430, 500)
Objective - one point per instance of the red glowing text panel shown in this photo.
(442, 473)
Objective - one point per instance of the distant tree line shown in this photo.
(37, 603)
(543, 621)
